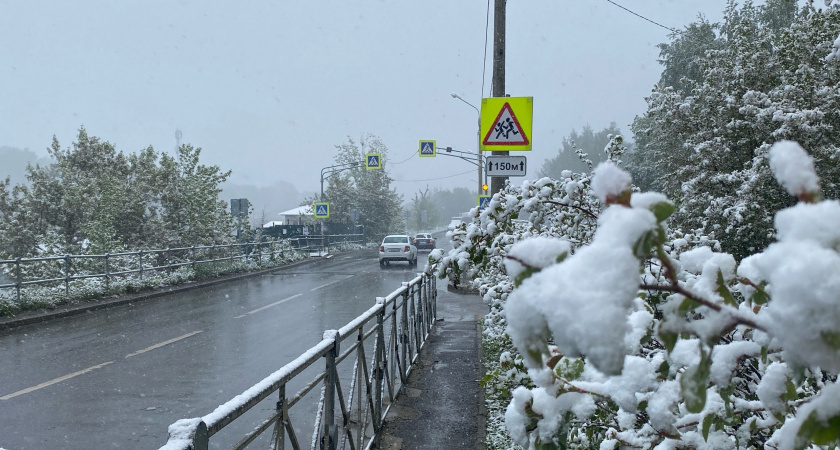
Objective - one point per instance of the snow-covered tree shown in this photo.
(93, 199)
(588, 143)
(704, 142)
(378, 204)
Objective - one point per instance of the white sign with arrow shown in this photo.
(505, 166)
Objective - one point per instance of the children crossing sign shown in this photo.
(506, 123)
(322, 210)
(373, 161)
(428, 148)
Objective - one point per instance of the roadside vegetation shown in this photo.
(702, 315)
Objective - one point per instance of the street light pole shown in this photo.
(336, 168)
(478, 143)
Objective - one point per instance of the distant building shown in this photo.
(301, 215)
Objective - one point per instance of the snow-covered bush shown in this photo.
(638, 341)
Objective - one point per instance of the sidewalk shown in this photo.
(443, 405)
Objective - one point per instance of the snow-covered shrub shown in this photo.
(656, 344)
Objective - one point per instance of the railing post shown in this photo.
(330, 430)
(278, 437)
(168, 261)
(192, 257)
(404, 349)
(107, 270)
(213, 258)
(378, 373)
(201, 440)
(67, 276)
(140, 259)
(18, 278)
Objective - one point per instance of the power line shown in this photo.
(413, 154)
(643, 17)
(486, 29)
(433, 179)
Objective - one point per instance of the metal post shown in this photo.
(18, 279)
(404, 341)
(497, 183)
(107, 271)
(378, 373)
(67, 275)
(330, 430)
(278, 436)
(201, 440)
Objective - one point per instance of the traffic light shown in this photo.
(484, 187)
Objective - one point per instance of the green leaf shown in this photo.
(820, 432)
(645, 244)
(687, 305)
(760, 296)
(723, 290)
(708, 421)
(669, 339)
(561, 257)
(662, 210)
(664, 370)
(791, 393)
(693, 384)
(525, 274)
(569, 369)
(832, 338)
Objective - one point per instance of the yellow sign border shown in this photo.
(378, 158)
(522, 108)
(315, 210)
(420, 148)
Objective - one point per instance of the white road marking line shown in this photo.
(138, 352)
(57, 380)
(268, 306)
(330, 284)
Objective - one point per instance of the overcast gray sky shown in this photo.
(268, 88)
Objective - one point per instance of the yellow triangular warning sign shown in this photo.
(505, 129)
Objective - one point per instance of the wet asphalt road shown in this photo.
(117, 378)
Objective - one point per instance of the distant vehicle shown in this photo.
(454, 223)
(397, 247)
(424, 241)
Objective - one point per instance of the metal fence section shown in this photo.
(22, 272)
(385, 342)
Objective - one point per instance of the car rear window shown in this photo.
(395, 240)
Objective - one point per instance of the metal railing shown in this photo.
(69, 268)
(391, 334)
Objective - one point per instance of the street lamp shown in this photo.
(336, 168)
(478, 142)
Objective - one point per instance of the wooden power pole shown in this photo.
(497, 183)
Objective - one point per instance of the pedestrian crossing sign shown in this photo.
(484, 202)
(322, 210)
(373, 161)
(428, 148)
(506, 123)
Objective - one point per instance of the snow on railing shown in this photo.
(395, 329)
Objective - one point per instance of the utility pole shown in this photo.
(497, 183)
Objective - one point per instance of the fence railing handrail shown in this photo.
(410, 310)
(170, 259)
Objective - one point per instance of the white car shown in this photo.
(454, 223)
(397, 247)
